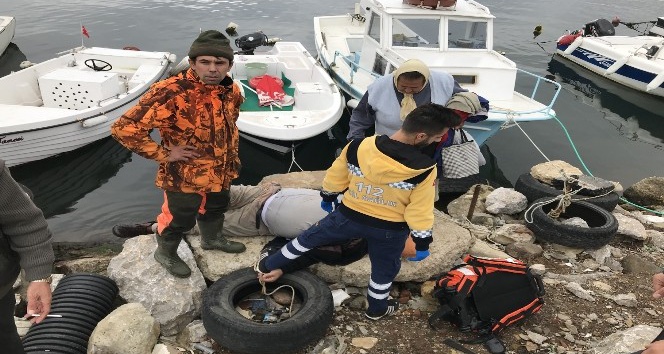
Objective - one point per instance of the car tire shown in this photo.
(602, 224)
(533, 189)
(239, 334)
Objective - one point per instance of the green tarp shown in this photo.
(251, 99)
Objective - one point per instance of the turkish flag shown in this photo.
(85, 31)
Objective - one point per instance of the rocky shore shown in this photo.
(597, 301)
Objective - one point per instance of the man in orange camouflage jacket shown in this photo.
(195, 113)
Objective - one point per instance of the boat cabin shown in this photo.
(457, 39)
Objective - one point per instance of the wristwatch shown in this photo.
(43, 280)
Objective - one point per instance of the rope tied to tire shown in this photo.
(266, 293)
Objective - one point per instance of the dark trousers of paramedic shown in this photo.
(184, 207)
(9, 339)
(384, 246)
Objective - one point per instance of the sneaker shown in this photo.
(132, 230)
(259, 266)
(392, 307)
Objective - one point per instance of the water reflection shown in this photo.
(59, 182)
(636, 115)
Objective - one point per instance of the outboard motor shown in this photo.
(249, 42)
(599, 28)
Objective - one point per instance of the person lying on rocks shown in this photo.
(657, 346)
(270, 210)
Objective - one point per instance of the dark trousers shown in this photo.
(385, 247)
(184, 209)
(9, 339)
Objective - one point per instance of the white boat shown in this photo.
(633, 61)
(318, 103)
(7, 28)
(70, 101)
(382, 34)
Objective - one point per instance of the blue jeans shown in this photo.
(385, 247)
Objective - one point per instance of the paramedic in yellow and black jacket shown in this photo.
(195, 113)
(388, 192)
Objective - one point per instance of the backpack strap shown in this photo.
(351, 152)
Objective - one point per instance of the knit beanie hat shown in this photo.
(465, 102)
(212, 43)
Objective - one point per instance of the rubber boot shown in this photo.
(211, 238)
(167, 255)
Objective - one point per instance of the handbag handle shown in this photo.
(464, 138)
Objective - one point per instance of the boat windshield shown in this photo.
(415, 32)
(467, 34)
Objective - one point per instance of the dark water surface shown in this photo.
(619, 133)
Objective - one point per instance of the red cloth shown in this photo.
(269, 89)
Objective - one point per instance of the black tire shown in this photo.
(238, 334)
(603, 225)
(533, 189)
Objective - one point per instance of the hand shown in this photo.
(654, 348)
(39, 301)
(271, 276)
(658, 285)
(182, 153)
(419, 255)
(327, 206)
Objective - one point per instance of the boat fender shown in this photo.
(572, 47)
(91, 122)
(656, 82)
(617, 65)
(568, 39)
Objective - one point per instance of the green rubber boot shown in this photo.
(167, 255)
(211, 238)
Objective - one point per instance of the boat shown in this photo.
(447, 35)
(636, 62)
(11, 60)
(317, 101)
(70, 101)
(7, 28)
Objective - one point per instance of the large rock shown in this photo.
(647, 192)
(505, 201)
(630, 227)
(129, 329)
(547, 172)
(450, 241)
(459, 207)
(174, 302)
(627, 341)
(214, 264)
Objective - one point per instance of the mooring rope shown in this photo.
(264, 292)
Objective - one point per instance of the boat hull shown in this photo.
(620, 59)
(7, 29)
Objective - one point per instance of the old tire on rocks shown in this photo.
(235, 332)
(602, 225)
(533, 189)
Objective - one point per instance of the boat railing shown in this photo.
(352, 64)
(538, 81)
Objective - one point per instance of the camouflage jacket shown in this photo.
(187, 112)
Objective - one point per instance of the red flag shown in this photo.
(84, 31)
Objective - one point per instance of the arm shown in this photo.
(658, 285)
(362, 118)
(133, 129)
(419, 212)
(654, 348)
(27, 232)
(337, 177)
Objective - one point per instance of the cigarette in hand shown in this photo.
(38, 315)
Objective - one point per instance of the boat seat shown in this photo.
(72, 88)
(144, 74)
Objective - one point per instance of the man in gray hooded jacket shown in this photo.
(25, 242)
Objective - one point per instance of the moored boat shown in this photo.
(70, 101)
(7, 29)
(636, 62)
(451, 36)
